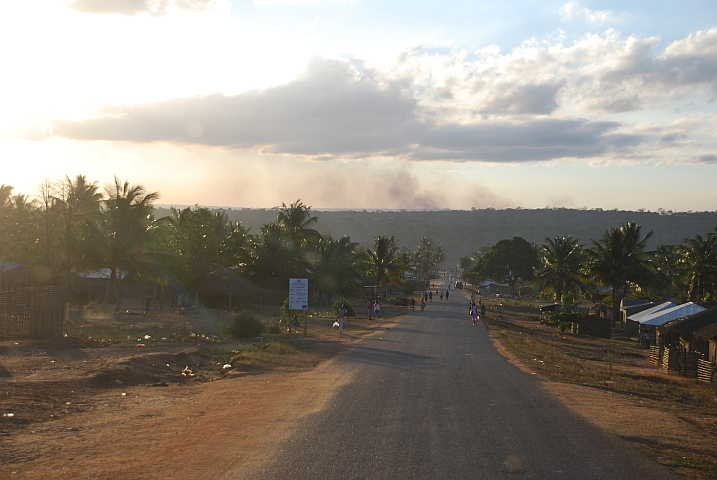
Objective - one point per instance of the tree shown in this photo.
(507, 261)
(273, 258)
(384, 262)
(123, 230)
(618, 259)
(562, 260)
(666, 270)
(5, 212)
(79, 202)
(427, 258)
(201, 241)
(22, 230)
(698, 260)
(296, 220)
(335, 266)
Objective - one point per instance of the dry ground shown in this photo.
(109, 402)
(613, 385)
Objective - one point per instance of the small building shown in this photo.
(551, 308)
(491, 288)
(708, 335)
(632, 322)
(629, 306)
(681, 332)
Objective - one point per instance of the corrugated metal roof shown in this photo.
(679, 311)
(657, 308)
(102, 273)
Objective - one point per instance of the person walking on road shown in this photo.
(423, 304)
(430, 295)
(441, 295)
(413, 304)
(377, 310)
(370, 308)
(340, 318)
(482, 310)
(447, 292)
(474, 314)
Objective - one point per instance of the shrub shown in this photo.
(410, 287)
(245, 325)
(350, 312)
(274, 329)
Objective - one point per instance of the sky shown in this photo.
(366, 104)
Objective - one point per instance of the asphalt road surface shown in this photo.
(431, 398)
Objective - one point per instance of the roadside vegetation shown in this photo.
(72, 227)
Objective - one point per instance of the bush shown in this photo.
(245, 325)
(410, 287)
(350, 312)
(274, 329)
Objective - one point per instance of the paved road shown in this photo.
(431, 398)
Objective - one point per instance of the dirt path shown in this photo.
(202, 431)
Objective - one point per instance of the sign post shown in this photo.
(299, 297)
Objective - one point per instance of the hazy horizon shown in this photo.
(362, 104)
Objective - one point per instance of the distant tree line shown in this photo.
(72, 225)
(567, 271)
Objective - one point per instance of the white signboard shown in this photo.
(298, 294)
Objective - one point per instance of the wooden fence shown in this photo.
(706, 371)
(32, 312)
(676, 360)
(655, 355)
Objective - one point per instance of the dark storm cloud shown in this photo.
(332, 111)
(134, 7)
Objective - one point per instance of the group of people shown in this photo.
(374, 308)
(428, 295)
(474, 309)
(423, 303)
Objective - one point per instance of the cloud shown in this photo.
(708, 158)
(539, 99)
(333, 111)
(573, 10)
(539, 102)
(135, 7)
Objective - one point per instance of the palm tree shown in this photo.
(619, 259)
(22, 229)
(5, 209)
(427, 258)
(124, 230)
(699, 263)
(335, 266)
(201, 241)
(666, 268)
(384, 262)
(562, 262)
(79, 201)
(272, 259)
(296, 220)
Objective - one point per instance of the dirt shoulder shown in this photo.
(612, 384)
(105, 408)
